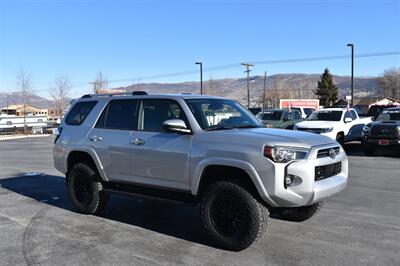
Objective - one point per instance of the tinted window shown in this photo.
(353, 114)
(155, 112)
(308, 111)
(325, 115)
(79, 113)
(297, 115)
(271, 116)
(119, 114)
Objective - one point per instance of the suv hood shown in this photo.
(268, 136)
(317, 124)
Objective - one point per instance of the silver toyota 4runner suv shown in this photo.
(205, 150)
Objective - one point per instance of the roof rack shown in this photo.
(114, 94)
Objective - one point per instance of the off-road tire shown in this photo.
(232, 216)
(299, 214)
(85, 191)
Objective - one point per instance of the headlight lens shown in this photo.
(282, 154)
(326, 130)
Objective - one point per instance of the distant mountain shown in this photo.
(281, 85)
(291, 85)
(16, 98)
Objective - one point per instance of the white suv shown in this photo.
(197, 149)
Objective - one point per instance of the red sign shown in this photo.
(309, 103)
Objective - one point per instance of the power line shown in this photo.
(235, 65)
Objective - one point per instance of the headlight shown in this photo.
(281, 154)
(326, 130)
(268, 125)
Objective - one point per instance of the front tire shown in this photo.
(300, 214)
(85, 191)
(232, 216)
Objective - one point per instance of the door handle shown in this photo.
(95, 138)
(138, 142)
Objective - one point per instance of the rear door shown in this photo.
(160, 158)
(110, 138)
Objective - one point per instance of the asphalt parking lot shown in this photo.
(38, 225)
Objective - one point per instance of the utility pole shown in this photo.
(247, 65)
(352, 71)
(201, 77)
(265, 82)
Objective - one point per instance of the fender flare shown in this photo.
(245, 166)
(92, 153)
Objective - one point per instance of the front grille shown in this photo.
(385, 131)
(326, 152)
(326, 171)
(311, 130)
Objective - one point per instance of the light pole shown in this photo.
(352, 71)
(201, 76)
(247, 65)
(265, 82)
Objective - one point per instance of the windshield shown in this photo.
(270, 115)
(392, 115)
(217, 114)
(325, 115)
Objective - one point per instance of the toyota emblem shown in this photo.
(332, 153)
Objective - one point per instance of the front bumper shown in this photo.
(308, 191)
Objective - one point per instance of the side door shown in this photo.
(296, 117)
(110, 138)
(160, 158)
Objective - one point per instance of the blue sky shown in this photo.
(129, 40)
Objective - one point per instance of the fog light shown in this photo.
(288, 180)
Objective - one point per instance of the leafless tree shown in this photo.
(24, 83)
(390, 83)
(60, 91)
(100, 83)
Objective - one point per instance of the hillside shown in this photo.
(282, 85)
(277, 86)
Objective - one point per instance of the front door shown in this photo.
(160, 158)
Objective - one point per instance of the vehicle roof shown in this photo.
(334, 109)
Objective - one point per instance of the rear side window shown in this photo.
(119, 114)
(79, 113)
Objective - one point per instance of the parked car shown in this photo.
(384, 133)
(171, 147)
(304, 111)
(341, 124)
(375, 110)
(280, 118)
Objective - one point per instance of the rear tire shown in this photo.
(85, 191)
(300, 214)
(232, 216)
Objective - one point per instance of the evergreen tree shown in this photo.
(327, 92)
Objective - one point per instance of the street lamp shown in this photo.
(201, 76)
(352, 71)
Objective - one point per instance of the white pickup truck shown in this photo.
(341, 124)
